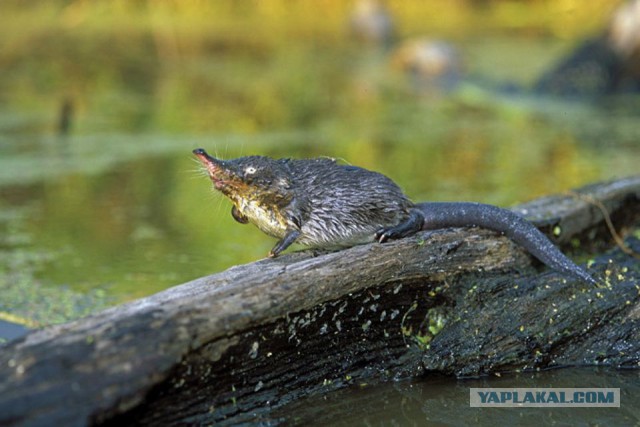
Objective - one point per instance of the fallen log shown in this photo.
(227, 347)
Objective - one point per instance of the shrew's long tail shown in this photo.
(512, 225)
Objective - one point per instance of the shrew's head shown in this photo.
(255, 178)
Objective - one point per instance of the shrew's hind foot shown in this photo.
(412, 225)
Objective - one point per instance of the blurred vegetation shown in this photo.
(225, 65)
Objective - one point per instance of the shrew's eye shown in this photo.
(249, 170)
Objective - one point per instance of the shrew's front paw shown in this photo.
(239, 216)
(284, 243)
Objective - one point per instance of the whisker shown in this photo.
(199, 171)
(219, 206)
(196, 173)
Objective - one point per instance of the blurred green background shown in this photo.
(101, 103)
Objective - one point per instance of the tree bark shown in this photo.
(228, 347)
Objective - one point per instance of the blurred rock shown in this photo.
(371, 22)
(624, 35)
(431, 65)
(606, 64)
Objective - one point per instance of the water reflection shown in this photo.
(441, 401)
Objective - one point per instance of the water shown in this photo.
(129, 214)
(134, 222)
(443, 402)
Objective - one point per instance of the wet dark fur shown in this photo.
(319, 203)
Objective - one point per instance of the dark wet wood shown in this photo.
(226, 347)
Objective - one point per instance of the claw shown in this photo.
(382, 235)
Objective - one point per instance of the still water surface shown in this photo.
(119, 216)
(443, 402)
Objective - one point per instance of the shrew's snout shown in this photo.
(219, 173)
(210, 162)
(202, 154)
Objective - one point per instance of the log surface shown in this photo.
(227, 347)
